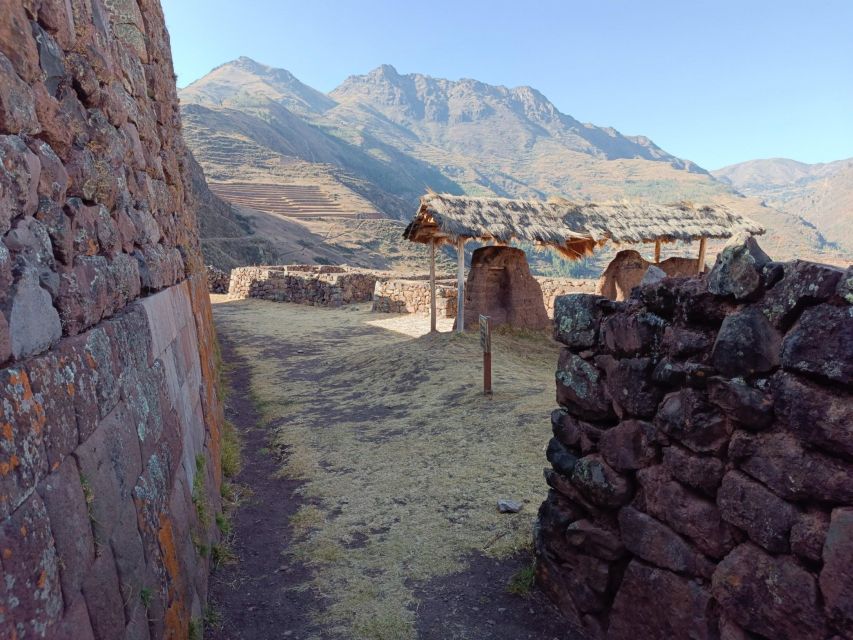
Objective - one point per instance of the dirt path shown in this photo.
(374, 464)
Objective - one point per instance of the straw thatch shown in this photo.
(575, 229)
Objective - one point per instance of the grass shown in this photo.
(145, 595)
(521, 584)
(231, 454)
(198, 496)
(402, 458)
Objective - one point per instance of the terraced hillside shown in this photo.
(291, 200)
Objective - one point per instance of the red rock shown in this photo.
(17, 102)
(65, 500)
(770, 596)
(561, 485)
(628, 446)
(596, 539)
(630, 334)
(577, 318)
(659, 545)
(809, 534)
(821, 344)
(103, 597)
(501, 286)
(16, 41)
(680, 342)
(560, 458)
(654, 603)
(629, 384)
(600, 483)
(751, 408)
(56, 16)
(688, 514)
(31, 599)
(581, 389)
(19, 177)
(699, 472)
(836, 578)
(746, 345)
(780, 462)
(765, 517)
(688, 417)
(802, 284)
(817, 415)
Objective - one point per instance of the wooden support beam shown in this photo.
(432, 312)
(460, 285)
(700, 263)
(657, 251)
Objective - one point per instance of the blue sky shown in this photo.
(715, 82)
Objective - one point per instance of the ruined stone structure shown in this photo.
(500, 286)
(393, 295)
(628, 268)
(320, 286)
(701, 480)
(553, 288)
(217, 279)
(109, 420)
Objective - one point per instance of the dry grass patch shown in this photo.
(402, 456)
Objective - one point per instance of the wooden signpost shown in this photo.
(486, 344)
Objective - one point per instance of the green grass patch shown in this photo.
(521, 584)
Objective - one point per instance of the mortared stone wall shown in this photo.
(109, 419)
(701, 478)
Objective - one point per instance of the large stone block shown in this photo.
(103, 597)
(765, 517)
(630, 445)
(631, 334)
(654, 603)
(595, 538)
(19, 178)
(53, 382)
(738, 271)
(819, 416)
(581, 389)
(747, 344)
(30, 594)
(780, 462)
(659, 545)
(771, 596)
(33, 321)
(17, 103)
(687, 416)
(577, 318)
(802, 284)
(836, 578)
(821, 344)
(629, 384)
(23, 461)
(809, 534)
(699, 472)
(600, 483)
(67, 507)
(689, 514)
(750, 407)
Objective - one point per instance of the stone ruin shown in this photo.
(217, 279)
(411, 295)
(501, 286)
(109, 418)
(319, 286)
(628, 268)
(701, 479)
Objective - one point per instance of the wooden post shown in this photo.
(657, 251)
(486, 345)
(460, 285)
(432, 312)
(700, 263)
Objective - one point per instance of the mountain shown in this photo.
(378, 141)
(821, 194)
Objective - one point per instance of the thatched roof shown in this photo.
(574, 228)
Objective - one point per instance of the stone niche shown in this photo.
(701, 469)
(501, 286)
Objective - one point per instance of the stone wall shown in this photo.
(552, 288)
(217, 279)
(321, 286)
(109, 462)
(412, 296)
(701, 480)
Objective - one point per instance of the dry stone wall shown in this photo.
(321, 286)
(109, 420)
(701, 479)
(412, 296)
